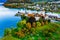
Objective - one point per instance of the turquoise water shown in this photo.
(7, 18)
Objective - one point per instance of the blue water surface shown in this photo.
(7, 18)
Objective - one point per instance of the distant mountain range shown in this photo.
(30, 0)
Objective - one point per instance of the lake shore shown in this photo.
(27, 6)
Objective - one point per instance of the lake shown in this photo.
(7, 18)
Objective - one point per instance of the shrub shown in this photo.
(33, 24)
(31, 20)
(21, 24)
(38, 24)
(24, 17)
(47, 33)
(28, 25)
(46, 22)
(7, 32)
(9, 38)
(42, 23)
(20, 34)
(30, 38)
(23, 21)
(33, 31)
(41, 19)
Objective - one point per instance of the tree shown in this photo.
(28, 25)
(31, 20)
(9, 38)
(7, 32)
